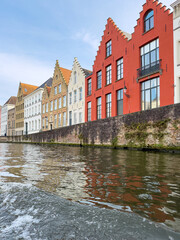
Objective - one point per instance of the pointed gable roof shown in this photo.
(47, 83)
(66, 74)
(11, 100)
(27, 88)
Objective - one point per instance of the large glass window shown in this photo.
(150, 57)
(120, 102)
(70, 118)
(59, 88)
(89, 87)
(80, 117)
(108, 105)
(149, 21)
(59, 119)
(75, 96)
(55, 121)
(75, 117)
(64, 118)
(55, 104)
(46, 107)
(99, 108)
(75, 77)
(64, 101)
(108, 49)
(60, 102)
(80, 93)
(99, 79)
(150, 94)
(89, 111)
(120, 69)
(70, 98)
(108, 75)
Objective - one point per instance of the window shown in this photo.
(70, 118)
(64, 101)
(39, 108)
(178, 51)
(46, 122)
(89, 111)
(46, 107)
(75, 96)
(89, 87)
(55, 121)
(75, 117)
(42, 123)
(99, 79)
(150, 94)
(60, 102)
(64, 118)
(59, 119)
(149, 21)
(35, 124)
(39, 124)
(51, 105)
(120, 69)
(108, 49)
(70, 98)
(55, 104)
(59, 88)
(80, 117)
(43, 108)
(75, 77)
(108, 105)
(55, 90)
(99, 108)
(150, 58)
(108, 75)
(120, 102)
(35, 109)
(80, 93)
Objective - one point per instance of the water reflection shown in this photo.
(145, 183)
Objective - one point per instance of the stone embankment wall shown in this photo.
(156, 127)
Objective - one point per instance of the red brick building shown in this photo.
(133, 72)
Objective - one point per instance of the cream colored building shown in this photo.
(176, 28)
(76, 94)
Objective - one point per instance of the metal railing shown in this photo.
(149, 69)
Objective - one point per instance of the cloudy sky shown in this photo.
(34, 33)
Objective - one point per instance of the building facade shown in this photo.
(32, 109)
(133, 72)
(11, 122)
(54, 100)
(4, 115)
(176, 29)
(0, 119)
(76, 94)
(24, 90)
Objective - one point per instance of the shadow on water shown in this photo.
(128, 181)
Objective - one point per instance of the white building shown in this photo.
(176, 28)
(76, 94)
(32, 109)
(4, 114)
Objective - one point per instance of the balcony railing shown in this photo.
(149, 69)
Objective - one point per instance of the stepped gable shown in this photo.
(126, 36)
(27, 88)
(85, 72)
(145, 6)
(11, 100)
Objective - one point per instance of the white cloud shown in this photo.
(87, 38)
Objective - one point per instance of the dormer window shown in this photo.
(149, 20)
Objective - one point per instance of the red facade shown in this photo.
(149, 49)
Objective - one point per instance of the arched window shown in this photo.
(149, 20)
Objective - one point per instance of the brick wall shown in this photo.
(159, 126)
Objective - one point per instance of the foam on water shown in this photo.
(29, 213)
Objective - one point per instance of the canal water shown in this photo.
(56, 192)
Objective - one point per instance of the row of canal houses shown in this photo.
(131, 72)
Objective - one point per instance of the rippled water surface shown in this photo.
(56, 192)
